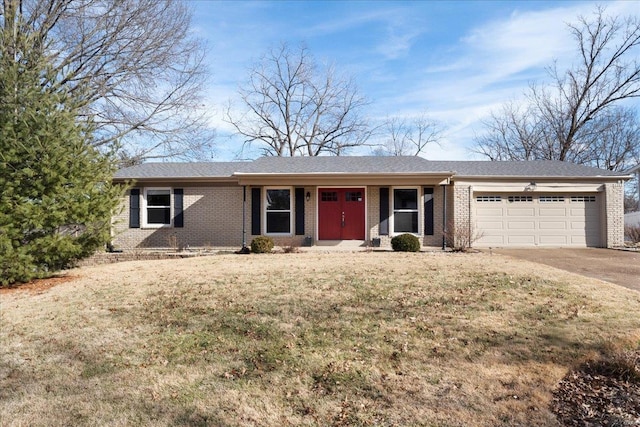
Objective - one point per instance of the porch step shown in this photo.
(346, 244)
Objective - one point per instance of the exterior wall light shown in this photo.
(531, 187)
(308, 197)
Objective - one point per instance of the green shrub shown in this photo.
(262, 245)
(405, 243)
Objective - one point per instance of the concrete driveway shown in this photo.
(619, 267)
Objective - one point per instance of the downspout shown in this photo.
(444, 217)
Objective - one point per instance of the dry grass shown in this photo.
(305, 339)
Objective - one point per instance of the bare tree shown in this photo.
(139, 68)
(578, 117)
(409, 137)
(292, 107)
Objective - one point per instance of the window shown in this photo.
(488, 199)
(278, 210)
(551, 199)
(590, 199)
(353, 196)
(329, 196)
(514, 199)
(405, 210)
(157, 207)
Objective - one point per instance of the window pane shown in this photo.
(353, 196)
(278, 200)
(329, 196)
(158, 198)
(159, 215)
(405, 222)
(278, 222)
(405, 199)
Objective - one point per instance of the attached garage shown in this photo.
(525, 219)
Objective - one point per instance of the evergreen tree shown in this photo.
(57, 197)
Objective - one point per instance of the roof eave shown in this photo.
(546, 177)
(343, 174)
(176, 178)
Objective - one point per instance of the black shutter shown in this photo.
(255, 211)
(384, 212)
(299, 211)
(178, 215)
(428, 211)
(134, 208)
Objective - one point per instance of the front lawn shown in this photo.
(305, 339)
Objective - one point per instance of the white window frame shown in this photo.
(265, 210)
(583, 199)
(392, 222)
(145, 224)
(520, 199)
(552, 199)
(491, 198)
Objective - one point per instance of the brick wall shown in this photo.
(438, 219)
(293, 240)
(373, 217)
(461, 213)
(614, 208)
(212, 218)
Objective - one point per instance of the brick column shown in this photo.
(461, 214)
(614, 209)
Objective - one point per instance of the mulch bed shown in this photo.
(603, 392)
(37, 286)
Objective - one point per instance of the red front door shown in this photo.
(341, 213)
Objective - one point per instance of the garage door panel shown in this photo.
(527, 212)
(559, 212)
(524, 220)
(579, 241)
(577, 212)
(553, 225)
(490, 225)
(520, 225)
(489, 212)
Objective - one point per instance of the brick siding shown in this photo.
(212, 218)
(614, 211)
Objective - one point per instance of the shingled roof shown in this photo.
(531, 168)
(342, 165)
(361, 165)
(181, 170)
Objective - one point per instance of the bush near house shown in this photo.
(405, 243)
(462, 236)
(262, 245)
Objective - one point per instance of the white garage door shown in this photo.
(537, 220)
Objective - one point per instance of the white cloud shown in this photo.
(398, 43)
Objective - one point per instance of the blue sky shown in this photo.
(456, 60)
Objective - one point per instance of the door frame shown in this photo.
(366, 208)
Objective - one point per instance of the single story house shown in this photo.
(364, 200)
